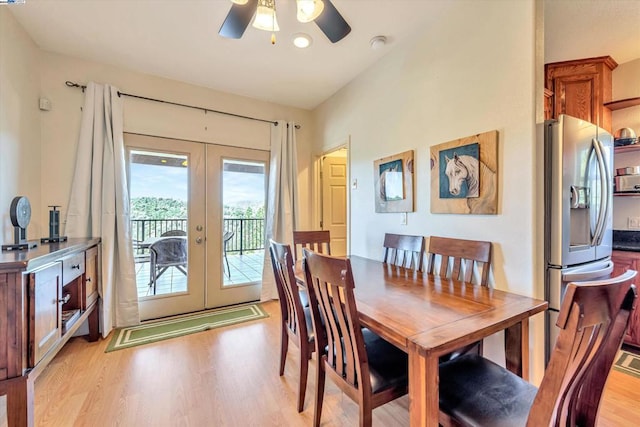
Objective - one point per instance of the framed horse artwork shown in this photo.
(464, 175)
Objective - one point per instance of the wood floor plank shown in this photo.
(221, 377)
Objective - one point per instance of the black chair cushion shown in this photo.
(477, 392)
(309, 321)
(304, 297)
(388, 365)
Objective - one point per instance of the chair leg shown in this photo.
(366, 413)
(304, 370)
(284, 346)
(227, 262)
(320, 375)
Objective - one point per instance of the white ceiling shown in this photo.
(178, 39)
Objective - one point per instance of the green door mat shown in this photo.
(183, 325)
(628, 363)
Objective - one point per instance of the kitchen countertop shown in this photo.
(626, 240)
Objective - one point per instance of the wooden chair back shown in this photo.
(330, 283)
(459, 258)
(315, 240)
(296, 319)
(290, 303)
(404, 251)
(593, 319)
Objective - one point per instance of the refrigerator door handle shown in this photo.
(604, 205)
(588, 275)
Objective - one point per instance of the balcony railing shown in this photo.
(248, 232)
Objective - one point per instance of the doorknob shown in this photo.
(198, 240)
(199, 228)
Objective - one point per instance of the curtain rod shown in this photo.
(83, 87)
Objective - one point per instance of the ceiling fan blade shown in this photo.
(238, 19)
(332, 23)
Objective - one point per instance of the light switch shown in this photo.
(634, 222)
(354, 184)
(403, 218)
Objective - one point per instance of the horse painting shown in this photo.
(463, 169)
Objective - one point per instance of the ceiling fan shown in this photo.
(322, 12)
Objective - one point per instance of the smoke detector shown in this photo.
(377, 42)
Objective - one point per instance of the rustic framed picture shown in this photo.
(393, 178)
(464, 175)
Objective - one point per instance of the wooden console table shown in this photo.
(46, 294)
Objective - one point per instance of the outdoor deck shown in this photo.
(244, 268)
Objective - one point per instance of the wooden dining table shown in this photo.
(428, 316)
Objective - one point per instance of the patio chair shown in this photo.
(225, 240)
(167, 252)
(172, 233)
(593, 320)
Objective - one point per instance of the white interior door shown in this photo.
(167, 193)
(334, 200)
(235, 206)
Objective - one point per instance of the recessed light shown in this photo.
(302, 40)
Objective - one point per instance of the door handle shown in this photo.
(604, 197)
(199, 240)
(588, 275)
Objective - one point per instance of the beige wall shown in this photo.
(471, 72)
(626, 84)
(60, 126)
(20, 167)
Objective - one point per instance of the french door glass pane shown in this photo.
(243, 199)
(159, 185)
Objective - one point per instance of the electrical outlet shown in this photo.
(634, 222)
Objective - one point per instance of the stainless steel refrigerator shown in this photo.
(578, 209)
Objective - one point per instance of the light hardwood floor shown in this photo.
(221, 377)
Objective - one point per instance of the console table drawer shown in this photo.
(72, 267)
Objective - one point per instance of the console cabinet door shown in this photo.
(91, 277)
(45, 311)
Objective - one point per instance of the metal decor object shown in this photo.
(20, 213)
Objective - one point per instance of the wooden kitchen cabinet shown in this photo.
(581, 88)
(623, 261)
(46, 294)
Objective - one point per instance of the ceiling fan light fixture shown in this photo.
(266, 16)
(302, 40)
(308, 10)
(239, 1)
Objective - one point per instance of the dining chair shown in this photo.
(368, 369)
(167, 252)
(459, 259)
(404, 251)
(296, 322)
(315, 240)
(593, 319)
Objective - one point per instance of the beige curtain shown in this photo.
(99, 203)
(282, 210)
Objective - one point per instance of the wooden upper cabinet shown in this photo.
(581, 88)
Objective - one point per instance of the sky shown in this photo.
(240, 189)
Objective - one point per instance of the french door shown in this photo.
(197, 214)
